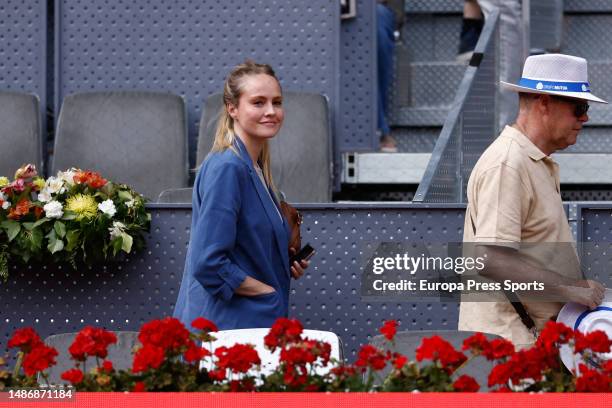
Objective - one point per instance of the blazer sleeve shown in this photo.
(214, 233)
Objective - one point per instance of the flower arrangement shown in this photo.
(75, 216)
(169, 359)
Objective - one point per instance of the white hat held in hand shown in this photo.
(581, 318)
(555, 74)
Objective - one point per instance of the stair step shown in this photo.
(408, 168)
(416, 140)
(434, 6)
(419, 116)
(584, 168)
(585, 6)
(434, 84)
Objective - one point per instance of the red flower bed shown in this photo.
(169, 359)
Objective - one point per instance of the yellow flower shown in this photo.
(4, 181)
(39, 182)
(83, 205)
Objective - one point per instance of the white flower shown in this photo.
(2, 196)
(44, 196)
(53, 209)
(116, 229)
(130, 204)
(107, 207)
(6, 205)
(55, 185)
(67, 176)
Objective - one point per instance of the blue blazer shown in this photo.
(235, 232)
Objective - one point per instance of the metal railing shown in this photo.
(470, 126)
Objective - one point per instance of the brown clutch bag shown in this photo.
(294, 219)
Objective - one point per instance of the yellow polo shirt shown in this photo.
(514, 197)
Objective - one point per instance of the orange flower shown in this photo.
(91, 178)
(22, 208)
(38, 212)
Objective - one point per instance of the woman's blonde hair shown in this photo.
(224, 135)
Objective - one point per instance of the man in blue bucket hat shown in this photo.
(514, 201)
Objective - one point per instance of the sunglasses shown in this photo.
(580, 108)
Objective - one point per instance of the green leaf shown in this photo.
(55, 245)
(60, 229)
(124, 195)
(36, 239)
(72, 240)
(28, 225)
(127, 241)
(117, 243)
(40, 222)
(69, 216)
(12, 228)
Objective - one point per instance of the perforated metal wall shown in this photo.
(23, 47)
(123, 295)
(188, 47)
(357, 131)
(595, 231)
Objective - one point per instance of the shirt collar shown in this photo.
(532, 150)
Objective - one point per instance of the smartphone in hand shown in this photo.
(304, 253)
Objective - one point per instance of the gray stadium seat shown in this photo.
(138, 138)
(20, 132)
(406, 343)
(301, 152)
(119, 353)
(176, 196)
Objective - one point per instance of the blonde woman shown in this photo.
(237, 270)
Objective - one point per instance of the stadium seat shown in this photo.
(302, 151)
(138, 138)
(20, 132)
(175, 196)
(269, 361)
(406, 343)
(120, 354)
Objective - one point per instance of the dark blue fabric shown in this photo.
(235, 232)
(385, 20)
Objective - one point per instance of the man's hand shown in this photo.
(586, 292)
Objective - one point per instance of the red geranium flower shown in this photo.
(39, 359)
(437, 349)
(597, 341)
(399, 361)
(389, 329)
(139, 387)
(295, 376)
(25, 339)
(75, 376)
(465, 383)
(553, 335)
(239, 358)
(195, 353)
(477, 343)
(148, 356)
(592, 380)
(370, 356)
(91, 342)
(217, 375)
(107, 366)
(203, 324)
(282, 332)
(169, 334)
(499, 348)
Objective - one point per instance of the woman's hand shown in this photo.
(298, 268)
(253, 287)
